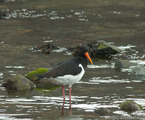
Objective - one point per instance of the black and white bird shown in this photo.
(69, 71)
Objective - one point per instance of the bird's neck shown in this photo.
(83, 61)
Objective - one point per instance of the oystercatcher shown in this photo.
(69, 71)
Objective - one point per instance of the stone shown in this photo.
(130, 106)
(138, 72)
(18, 82)
(99, 49)
(103, 111)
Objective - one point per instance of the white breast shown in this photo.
(69, 79)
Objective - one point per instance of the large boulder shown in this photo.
(18, 82)
(99, 49)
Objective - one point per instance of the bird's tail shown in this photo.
(38, 77)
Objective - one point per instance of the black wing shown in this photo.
(70, 67)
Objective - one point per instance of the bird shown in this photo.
(70, 71)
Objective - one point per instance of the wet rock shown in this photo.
(120, 63)
(33, 75)
(130, 106)
(3, 14)
(46, 48)
(103, 111)
(138, 72)
(98, 50)
(42, 83)
(18, 82)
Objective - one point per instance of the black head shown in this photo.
(83, 52)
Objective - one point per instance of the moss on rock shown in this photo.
(130, 106)
(33, 75)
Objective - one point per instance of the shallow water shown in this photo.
(66, 24)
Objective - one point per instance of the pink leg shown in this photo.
(63, 92)
(70, 99)
(70, 95)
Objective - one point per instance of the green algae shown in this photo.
(130, 106)
(33, 75)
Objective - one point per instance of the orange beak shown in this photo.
(87, 55)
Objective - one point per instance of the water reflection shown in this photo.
(1, 75)
(16, 67)
(52, 15)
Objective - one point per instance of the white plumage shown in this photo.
(68, 79)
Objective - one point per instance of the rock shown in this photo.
(98, 50)
(3, 15)
(18, 82)
(33, 74)
(138, 72)
(103, 111)
(130, 106)
(46, 48)
(42, 83)
(124, 63)
(120, 63)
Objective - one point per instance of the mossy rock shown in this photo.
(101, 50)
(34, 74)
(102, 46)
(130, 106)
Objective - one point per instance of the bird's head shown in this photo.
(84, 52)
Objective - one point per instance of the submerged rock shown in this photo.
(18, 82)
(103, 111)
(130, 106)
(33, 75)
